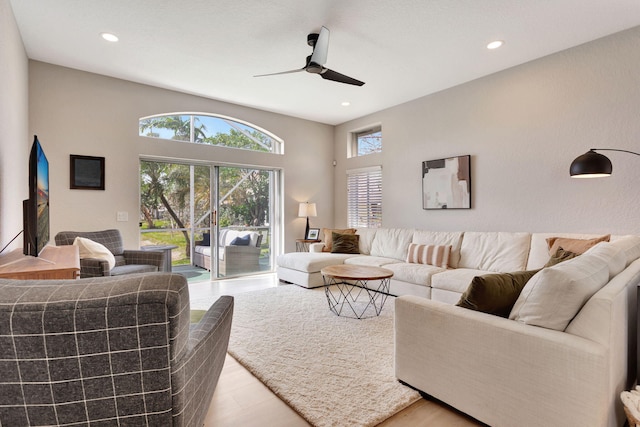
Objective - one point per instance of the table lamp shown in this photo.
(306, 210)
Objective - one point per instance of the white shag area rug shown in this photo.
(334, 371)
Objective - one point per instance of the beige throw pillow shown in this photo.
(90, 249)
(578, 246)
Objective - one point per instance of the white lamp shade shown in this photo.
(307, 210)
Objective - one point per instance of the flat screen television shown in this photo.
(35, 210)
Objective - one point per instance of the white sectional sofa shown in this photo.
(504, 371)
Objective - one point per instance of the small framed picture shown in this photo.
(87, 172)
(313, 234)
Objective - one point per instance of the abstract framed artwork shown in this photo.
(87, 172)
(446, 183)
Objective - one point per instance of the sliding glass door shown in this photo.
(227, 231)
(243, 220)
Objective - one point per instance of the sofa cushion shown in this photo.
(206, 239)
(133, 268)
(310, 262)
(366, 239)
(423, 237)
(456, 280)
(612, 255)
(328, 236)
(555, 294)
(418, 274)
(494, 251)
(437, 255)
(90, 249)
(204, 250)
(578, 246)
(372, 261)
(630, 245)
(392, 243)
(495, 293)
(345, 243)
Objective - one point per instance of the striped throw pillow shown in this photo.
(429, 254)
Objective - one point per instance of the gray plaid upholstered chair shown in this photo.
(127, 261)
(108, 351)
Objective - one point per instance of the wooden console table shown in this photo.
(54, 262)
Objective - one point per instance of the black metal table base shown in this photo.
(356, 299)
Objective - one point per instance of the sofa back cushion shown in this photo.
(630, 246)
(366, 239)
(441, 238)
(494, 251)
(392, 243)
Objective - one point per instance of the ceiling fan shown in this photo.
(315, 61)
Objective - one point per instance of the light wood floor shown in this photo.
(241, 400)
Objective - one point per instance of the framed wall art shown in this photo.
(446, 183)
(87, 172)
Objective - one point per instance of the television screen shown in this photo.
(36, 208)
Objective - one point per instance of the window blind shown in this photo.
(364, 197)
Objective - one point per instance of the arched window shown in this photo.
(209, 129)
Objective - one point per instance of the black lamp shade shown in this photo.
(590, 164)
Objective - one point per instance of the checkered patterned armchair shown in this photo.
(108, 351)
(127, 261)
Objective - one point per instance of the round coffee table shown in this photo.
(356, 291)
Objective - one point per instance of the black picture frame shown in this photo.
(86, 172)
(312, 234)
(446, 183)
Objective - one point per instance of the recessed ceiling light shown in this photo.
(345, 103)
(109, 37)
(495, 44)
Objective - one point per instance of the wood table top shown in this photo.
(356, 272)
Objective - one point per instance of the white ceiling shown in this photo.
(401, 49)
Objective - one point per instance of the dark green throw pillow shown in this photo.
(559, 256)
(345, 243)
(495, 293)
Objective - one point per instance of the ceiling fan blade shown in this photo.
(321, 48)
(328, 74)
(281, 72)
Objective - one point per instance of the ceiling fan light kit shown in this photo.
(315, 62)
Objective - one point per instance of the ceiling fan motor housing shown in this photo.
(312, 39)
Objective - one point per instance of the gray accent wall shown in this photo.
(522, 128)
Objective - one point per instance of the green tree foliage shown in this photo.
(165, 191)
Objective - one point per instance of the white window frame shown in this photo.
(277, 142)
(354, 146)
(364, 197)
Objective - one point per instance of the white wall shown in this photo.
(75, 112)
(522, 127)
(14, 138)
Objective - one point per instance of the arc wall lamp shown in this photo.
(594, 165)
